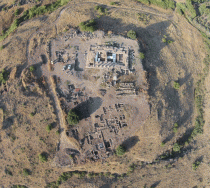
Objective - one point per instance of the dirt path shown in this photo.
(63, 139)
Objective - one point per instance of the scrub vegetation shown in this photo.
(29, 14)
(175, 135)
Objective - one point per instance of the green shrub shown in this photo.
(31, 68)
(91, 175)
(169, 41)
(2, 47)
(72, 118)
(49, 128)
(195, 165)
(13, 27)
(26, 172)
(112, 176)
(132, 167)
(32, 114)
(203, 9)
(65, 176)
(175, 127)
(131, 34)
(18, 186)
(175, 130)
(57, 132)
(96, 7)
(43, 157)
(34, 11)
(82, 174)
(191, 9)
(179, 10)
(141, 55)
(198, 129)
(176, 147)
(107, 174)
(120, 150)
(71, 156)
(144, 18)
(3, 31)
(17, 12)
(176, 85)
(113, 3)
(162, 144)
(8, 172)
(4, 76)
(88, 26)
(144, 2)
(62, 178)
(164, 40)
(166, 4)
(101, 10)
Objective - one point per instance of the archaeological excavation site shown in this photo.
(100, 89)
(104, 94)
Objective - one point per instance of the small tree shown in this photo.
(176, 147)
(57, 132)
(120, 150)
(195, 165)
(49, 127)
(88, 26)
(71, 156)
(141, 55)
(175, 127)
(17, 12)
(26, 172)
(72, 118)
(32, 69)
(43, 157)
(132, 167)
(164, 40)
(131, 34)
(4, 76)
(113, 3)
(162, 144)
(32, 114)
(82, 174)
(176, 85)
(169, 41)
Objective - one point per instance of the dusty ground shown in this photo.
(180, 60)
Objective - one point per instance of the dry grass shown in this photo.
(23, 137)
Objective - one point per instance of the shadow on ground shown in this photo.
(86, 108)
(106, 186)
(76, 67)
(130, 142)
(8, 122)
(155, 184)
(150, 43)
